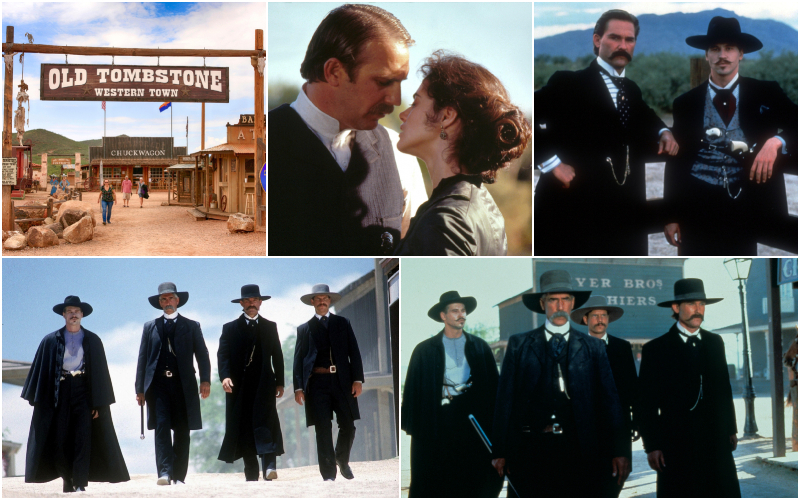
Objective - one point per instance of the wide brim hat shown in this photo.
(555, 281)
(250, 292)
(596, 302)
(451, 297)
(168, 287)
(689, 290)
(320, 289)
(727, 30)
(73, 301)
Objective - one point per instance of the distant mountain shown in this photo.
(668, 33)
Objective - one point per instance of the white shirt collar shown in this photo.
(611, 70)
(325, 127)
(604, 338)
(327, 315)
(550, 327)
(171, 316)
(687, 332)
(249, 318)
(729, 85)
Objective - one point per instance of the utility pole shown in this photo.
(8, 216)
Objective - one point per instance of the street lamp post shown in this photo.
(739, 270)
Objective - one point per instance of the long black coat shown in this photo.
(623, 367)
(345, 353)
(189, 342)
(582, 127)
(106, 463)
(422, 401)
(697, 450)
(232, 356)
(763, 109)
(590, 385)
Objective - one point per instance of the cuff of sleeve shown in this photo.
(783, 142)
(550, 164)
(298, 390)
(662, 131)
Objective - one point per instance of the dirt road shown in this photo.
(151, 230)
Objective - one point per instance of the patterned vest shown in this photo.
(712, 165)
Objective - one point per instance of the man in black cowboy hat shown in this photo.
(594, 133)
(70, 390)
(686, 413)
(328, 375)
(557, 406)
(250, 362)
(596, 314)
(165, 379)
(720, 202)
(450, 376)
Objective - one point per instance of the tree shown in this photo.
(488, 333)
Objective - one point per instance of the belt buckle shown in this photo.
(76, 373)
(557, 429)
(333, 368)
(167, 373)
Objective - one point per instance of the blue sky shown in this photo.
(495, 35)
(552, 18)
(118, 289)
(137, 25)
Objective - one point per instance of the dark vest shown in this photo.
(322, 340)
(550, 404)
(315, 208)
(167, 359)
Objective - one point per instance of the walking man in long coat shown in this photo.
(594, 135)
(597, 315)
(250, 362)
(450, 376)
(686, 414)
(557, 405)
(165, 379)
(328, 376)
(72, 435)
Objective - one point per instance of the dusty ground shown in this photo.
(658, 245)
(151, 230)
(372, 480)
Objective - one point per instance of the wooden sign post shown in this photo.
(260, 130)
(8, 216)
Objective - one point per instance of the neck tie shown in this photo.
(324, 321)
(623, 98)
(557, 343)
(725, 103)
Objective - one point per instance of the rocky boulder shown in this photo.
(72, 211)
(15, 242)
(57, 228)
(81, 231)
(20, 212)
(240, 223)
(40, 237)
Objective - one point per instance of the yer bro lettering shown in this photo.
(200, 78)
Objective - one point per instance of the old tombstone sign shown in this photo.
(60, 161)
(9, 171)
(95, 82)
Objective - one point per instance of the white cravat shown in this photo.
(171, 316)
(550, 327)
(326, 128)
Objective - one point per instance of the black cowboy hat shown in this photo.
(555, 281)
(596, 302)
(168, 287)
(73, 301)
(727, 30)
(451, 297)
(251, 291)
(687, 290)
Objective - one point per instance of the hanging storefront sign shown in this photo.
(93, 82)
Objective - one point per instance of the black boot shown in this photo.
(68, 486)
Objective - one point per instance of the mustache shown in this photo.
(559, 314)
(721, 61)
(598, 325)
(622, 53)
(697, 315)
(381, 109)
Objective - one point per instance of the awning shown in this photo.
(239, 149)
(183, 166)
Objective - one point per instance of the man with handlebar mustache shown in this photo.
(685, 410)
(593, 134)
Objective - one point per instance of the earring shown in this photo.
(443, 134)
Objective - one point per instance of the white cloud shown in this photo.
(543, 31)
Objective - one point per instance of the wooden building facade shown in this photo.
(135, 157)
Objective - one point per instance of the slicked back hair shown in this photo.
(344, 33)
(620, 15)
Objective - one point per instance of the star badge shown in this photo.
(86, 89)
(185, 91)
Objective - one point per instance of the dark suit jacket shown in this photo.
(232, 357)
(620, 357)
(763, 110)
(590, 385)
(583, 128)
(315, 207)
(189, 342)
(668, 390)
(344, 348)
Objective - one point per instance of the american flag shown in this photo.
(104, 105)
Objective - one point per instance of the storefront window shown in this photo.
(138, 171)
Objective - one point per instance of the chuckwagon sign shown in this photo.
(92, 82)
